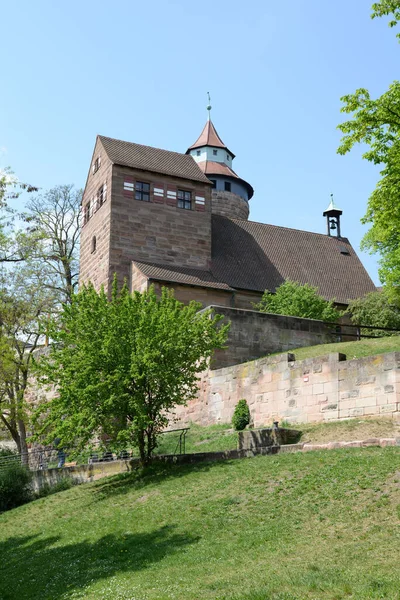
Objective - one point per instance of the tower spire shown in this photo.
(209, 107)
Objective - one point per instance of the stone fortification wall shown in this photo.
(254, 334)
(229, 205)
(281, 388)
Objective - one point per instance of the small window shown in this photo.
(214, 183)
(227, 157)
(101, 195)
(96, 164)
(227, 186)
(184, 200)
(94, 242)
(344, 250)
(142, 191)
(86, 213)
(215, 152)
(198, 152)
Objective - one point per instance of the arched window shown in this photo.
(94, 241)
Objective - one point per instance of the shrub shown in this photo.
(14, 486)
(241, 415)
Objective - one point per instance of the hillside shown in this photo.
(356, 349)
(321, 525)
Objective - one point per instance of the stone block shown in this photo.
(317, 388)
(389, 389)
(371, 410)
(370, 401)
(388, 408)
(356, 412)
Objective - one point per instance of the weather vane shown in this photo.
(209, 104)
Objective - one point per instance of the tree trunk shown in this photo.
(23, 445)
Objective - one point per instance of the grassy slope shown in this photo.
(322, 525)
(357, 349)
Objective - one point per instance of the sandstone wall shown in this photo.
(229, 205)
(254, 334)
(281, 388)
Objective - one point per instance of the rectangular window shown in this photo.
(198, 152)
(184, 200)
(96, 164)
(215, 152)
(142, 191)
(101, 196)
(86, 216)
(227, 186)
(214, 183)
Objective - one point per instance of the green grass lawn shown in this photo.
(357, 349)
(320, 525)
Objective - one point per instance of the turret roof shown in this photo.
(209, 137)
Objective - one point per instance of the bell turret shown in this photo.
(332, 214)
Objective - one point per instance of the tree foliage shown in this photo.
(23, 312)
(387, 8)
(297, 300)
(121, 365)
(376, 309)
(376, 123)
(53, 219)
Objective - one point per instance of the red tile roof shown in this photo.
(209, 137)
(210, 167)
(184, 275)
(256, 256)
(147, 158)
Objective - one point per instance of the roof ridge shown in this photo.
(342, 239)
(144, 146)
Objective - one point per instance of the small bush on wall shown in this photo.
(241, 415)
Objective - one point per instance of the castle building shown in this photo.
(158, 217)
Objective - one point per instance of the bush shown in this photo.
(14, 486)
(241, 415)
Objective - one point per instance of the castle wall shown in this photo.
(95, 264)
(158, 231)
(228, 204)
(253, 334)
(311, 390)
(207, 296)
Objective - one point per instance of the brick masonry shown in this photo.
(311, 390)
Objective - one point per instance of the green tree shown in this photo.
(23, 312)
(376, 309)
(387, 8)
(121, 365)
(15, 245)
(376, 123)
(297, 300)
(53, 222)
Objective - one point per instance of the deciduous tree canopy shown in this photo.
(296, 300)
(121, 365)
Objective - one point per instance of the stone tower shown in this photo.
(230, 193)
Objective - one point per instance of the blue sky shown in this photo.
(140, 72)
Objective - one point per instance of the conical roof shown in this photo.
(332, 208)
(209, 137)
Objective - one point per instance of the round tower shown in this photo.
(230, 193)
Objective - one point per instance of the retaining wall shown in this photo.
(311, 390)
(253, 334)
